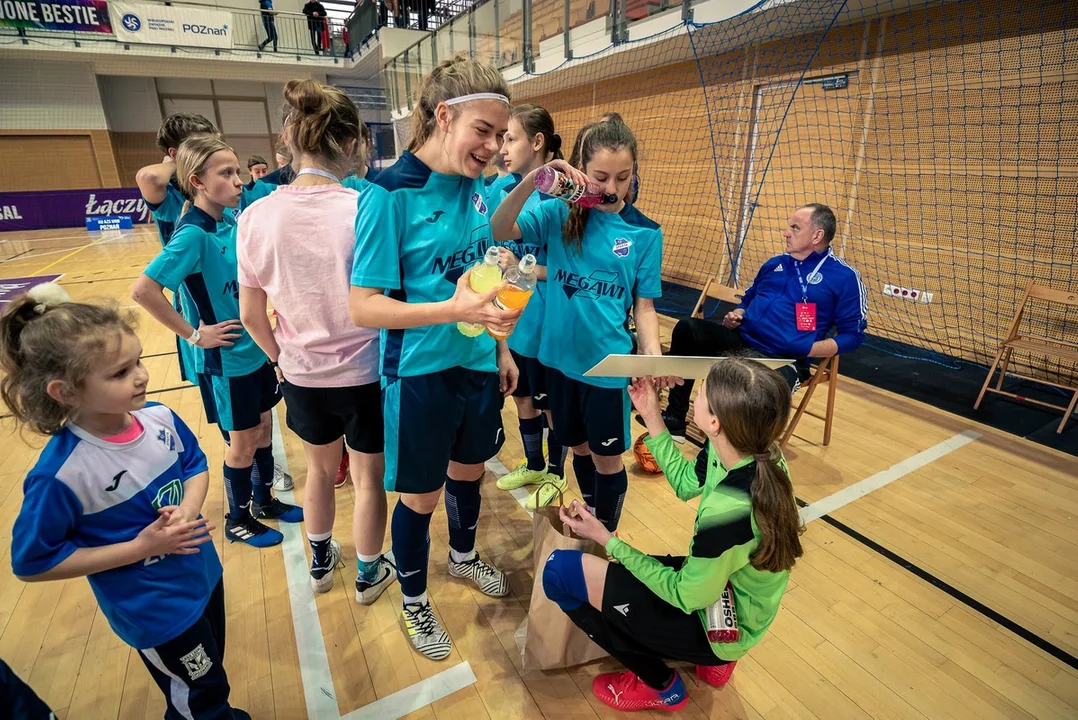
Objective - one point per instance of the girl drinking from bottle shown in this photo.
(424, 227)
(295, 251)
(116, 494)
(601, 262)
(714, 605)
(529, 143)
(243, 387)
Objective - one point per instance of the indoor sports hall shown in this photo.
(934, 466)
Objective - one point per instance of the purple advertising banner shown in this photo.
(11, 288)
(71, 15)
(68, 208)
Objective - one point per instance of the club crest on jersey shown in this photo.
(166, 438)
(197, 663)
(621, 247)
(480, 205)
(815, 279)
(170, 494)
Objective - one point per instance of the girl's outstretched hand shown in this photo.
(645, 397)
(583, 523)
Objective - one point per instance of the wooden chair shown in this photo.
(1035, 345)
(826, 371)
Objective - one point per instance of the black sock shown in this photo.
(262, 484)
(462, 502)
(584, 469)
(531, 432)
(652, 670)
(610, 494)
(556, 452)
(320, 550)
(238, 492)
(411, 547)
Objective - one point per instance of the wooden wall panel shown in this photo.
(134, 150)
(45, 161)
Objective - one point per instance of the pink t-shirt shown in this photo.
(297, 246)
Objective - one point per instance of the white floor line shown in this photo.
(318, 691)
(310, 645)
(521, 494)
(858, 490)
(415, 697)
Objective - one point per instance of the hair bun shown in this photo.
(47, 296)
(554, 144)
(307, 96)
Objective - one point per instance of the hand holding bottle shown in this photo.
(478, 308)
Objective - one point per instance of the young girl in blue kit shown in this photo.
(529, 143)
(601, 263)
(116, 494)
(425, 226)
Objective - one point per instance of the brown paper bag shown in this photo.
(552, 640)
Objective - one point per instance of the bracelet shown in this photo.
(273, 364)
(195, 337)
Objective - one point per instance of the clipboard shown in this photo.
(692, 367)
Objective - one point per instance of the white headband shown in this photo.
(477, 96)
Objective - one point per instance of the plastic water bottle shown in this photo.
(486, 275)
(514, 295)
(557, 184)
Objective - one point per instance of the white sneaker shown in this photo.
(281, 480)
(487, 578)
(368, 592)
(428, 636)
(322, 575)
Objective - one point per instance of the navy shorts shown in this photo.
(455, 414)
(320, 416)
(532, 382)
(240, 401)
(584, 413)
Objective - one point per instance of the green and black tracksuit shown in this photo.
(655, 608)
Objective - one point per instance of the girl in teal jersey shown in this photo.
(601, 264)
(530, 142)
(425, 226)
(242, 386)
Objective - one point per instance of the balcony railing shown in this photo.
(251, 31)
(517, 32)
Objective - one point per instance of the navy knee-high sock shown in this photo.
(462, 502)
(555, 452)
(238, 492)
(609, 496)
(411, 547)
(531, 432)
(584, 468)
(264, 465)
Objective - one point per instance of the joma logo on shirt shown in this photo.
(601, 283)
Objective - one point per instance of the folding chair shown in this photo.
(1035, 345)
(826, 371)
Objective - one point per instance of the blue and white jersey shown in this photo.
(87, 492)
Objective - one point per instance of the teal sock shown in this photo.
(368, 569)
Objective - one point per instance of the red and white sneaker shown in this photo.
(715, 675)
(341, 478)
(625, 691)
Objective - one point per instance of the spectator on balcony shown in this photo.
(316, 22)
(269, 24)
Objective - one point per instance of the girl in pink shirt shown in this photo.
(295, 250)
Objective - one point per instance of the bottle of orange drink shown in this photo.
(519, 284)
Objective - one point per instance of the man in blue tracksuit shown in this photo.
(807, 303)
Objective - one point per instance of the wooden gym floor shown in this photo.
(983, 624)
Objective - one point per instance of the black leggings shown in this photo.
(696, 337)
